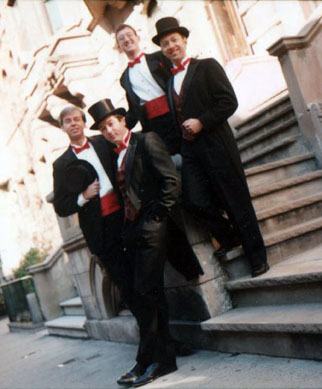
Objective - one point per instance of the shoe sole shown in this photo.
(155, 378)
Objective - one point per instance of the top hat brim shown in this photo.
(78, 175)
(117, 111)
(181, 30)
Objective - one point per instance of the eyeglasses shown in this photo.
(129, 35)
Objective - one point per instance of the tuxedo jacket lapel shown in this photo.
(155, 67)
(103, 152)
(127, 85)
(170, 97)
(129, 159)
(189, 75)
(129, 174)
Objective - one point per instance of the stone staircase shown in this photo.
(72, 323)
(280, 312)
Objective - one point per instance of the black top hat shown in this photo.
(78, 175)
(103, 108)
(166, 26)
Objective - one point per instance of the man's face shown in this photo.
(128, 42)
(113, 129)
(174, 46)
(73, 125)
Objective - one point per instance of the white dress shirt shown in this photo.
(123, 152)
(90, 156)
(142, 82)
(179, 77)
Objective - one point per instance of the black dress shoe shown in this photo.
(261, 270)
(182, 349)
(128, 378)
(226, 247)
(153, 372)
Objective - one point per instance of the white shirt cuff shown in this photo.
(81, 200)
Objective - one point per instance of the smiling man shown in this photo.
(144, 81)
(85, 183)
(202, 99)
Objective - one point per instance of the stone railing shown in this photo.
(301, 60)
(53, 282)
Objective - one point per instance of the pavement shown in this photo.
(35, 360)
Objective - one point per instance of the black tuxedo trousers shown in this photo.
(210, 187)
(145, 243)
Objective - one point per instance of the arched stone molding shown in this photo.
(104, 290)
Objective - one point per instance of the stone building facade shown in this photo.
(55, 53)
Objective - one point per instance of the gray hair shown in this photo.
(67, 110)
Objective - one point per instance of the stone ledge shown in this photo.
(48, 263)
(274, 281)
(72, 322)
(17, 326)
(299, 318)
(73, 302)
(303, 39)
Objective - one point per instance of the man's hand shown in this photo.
(192, 126)
(92, 190)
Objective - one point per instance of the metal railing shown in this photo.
(15, 296)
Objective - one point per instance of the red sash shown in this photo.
(157, 107)
(109, 204)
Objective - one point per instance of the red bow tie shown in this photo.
(137, 60)
(180, 68)
(123, 145)
(79, 149)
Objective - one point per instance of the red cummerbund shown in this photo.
(109, 204)
(157, 107)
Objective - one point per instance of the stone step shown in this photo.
(270, 115)
(71, 326)
(275, 150)
(281, 247)
(277, 330)
(294, 240)
(289, 282)
(73, 307)
(280, 170)
(273, 195)
(289, 214)
(263, 136)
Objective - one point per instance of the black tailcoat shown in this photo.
(65, 204)
(152, 184)
(159, 67)
(146, 166)
(209, 97)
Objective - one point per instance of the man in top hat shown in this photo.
(201, 99)
(150, 187)
(144, 81)
(85, 183)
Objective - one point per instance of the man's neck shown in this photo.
(125, 139)
(79, 142)
(132, 55)
(179, 61)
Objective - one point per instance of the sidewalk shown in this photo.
(38, 361)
